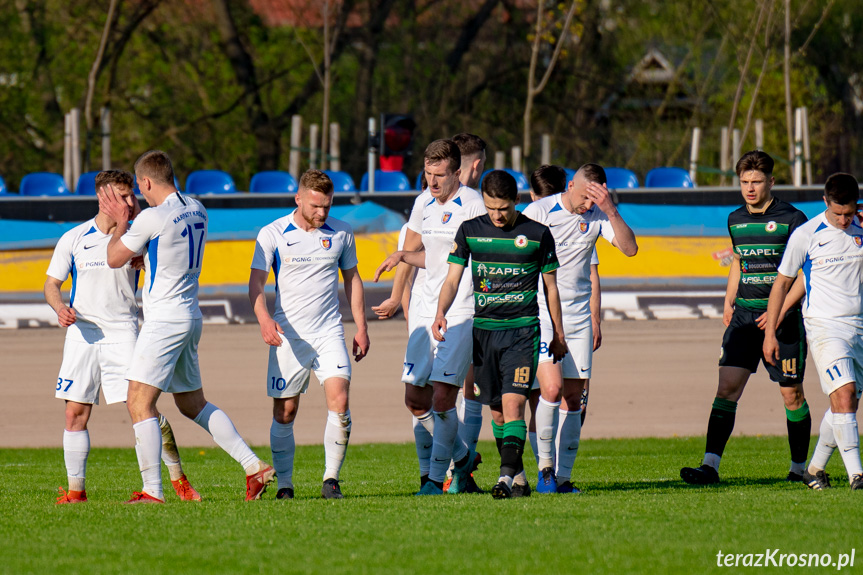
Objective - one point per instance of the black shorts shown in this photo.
(504, 361)
(743, 341)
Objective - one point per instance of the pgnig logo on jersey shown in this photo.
(326, 243)
(520, 241)
(582, 227)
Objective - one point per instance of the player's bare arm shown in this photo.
(356, 296)
(415, 259)
(792, 298)
(775, 304)
(624, 237)
(731, 290)
(270, 329)
(447, 295)
(413, 243)
(595, 306)
(557, 348)
(116, 208)
(65, 315)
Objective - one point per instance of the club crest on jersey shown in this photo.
(446, 217)
(582, 227)
(520, 241)
(770, 227)
(858, 241)
(326, 243)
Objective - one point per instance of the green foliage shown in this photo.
(636, 515)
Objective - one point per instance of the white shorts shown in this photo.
(87, 367)
(427, 359)
(292, 363)
(578, 362)
(837, 349)
(166, 356)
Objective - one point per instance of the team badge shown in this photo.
(446, 217)
(582, 227)
(326, 243)
(770, 227)
(520, 241)
(858, 241)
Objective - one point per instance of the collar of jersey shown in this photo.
(291, 227)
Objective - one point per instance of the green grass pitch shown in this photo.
(636, 516)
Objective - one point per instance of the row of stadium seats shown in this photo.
(218, 182)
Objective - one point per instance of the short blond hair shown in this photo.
(318, 181)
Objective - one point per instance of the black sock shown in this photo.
(510, 456)
(720, 425)
(799, 430)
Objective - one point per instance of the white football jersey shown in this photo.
(306, 266)
(832, 264)
(173, 235)
(438, 224)
(420, 276)
(575, 237)
(103, 298)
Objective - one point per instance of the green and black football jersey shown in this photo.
(506, 264)
(759, 240)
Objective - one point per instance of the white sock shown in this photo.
(148, 446)
(506, 479)
(423, 433)
(520, 478)
(546, 426)
(848, 440)
(282, 445)
(826, 444)
(470, 423)
(219, 425)
(531, 436)
(336, 436)
(568, 437)
(76, 448)
(443, 444)
(712, 460)
(170, 453)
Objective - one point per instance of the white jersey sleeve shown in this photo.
(415, 222)
(348, 258)
(594, 259)
(61, 261)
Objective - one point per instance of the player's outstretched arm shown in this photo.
(413, 242)
(117, 209)
(447, 295)
(356, 296)
(557, 348)
(270, 329)
(624, 237)
(731, 290)
(774, 305)
(65, 315)
(595, 306)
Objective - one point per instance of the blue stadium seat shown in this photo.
(342, 181)
(387, 182)
(419, 184)
(521, 180)
(570, 173)
(210, 182)
(3, 189)
(273, 182)
(43, 184)
(668, 178)
(86, 184)
(620, 178)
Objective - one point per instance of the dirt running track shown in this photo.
(651, 378)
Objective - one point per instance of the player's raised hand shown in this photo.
(361, 345)
(112, 204)
(270, 330)
(598, 193)
(66, 316)
(557, 349)
(439, 328)
(770, 348)
(389, 264)
(386, 309)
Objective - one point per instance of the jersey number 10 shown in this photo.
(195, 254)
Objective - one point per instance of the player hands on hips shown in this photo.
(508, 253)
(306, 251)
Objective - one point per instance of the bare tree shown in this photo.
(110, 20)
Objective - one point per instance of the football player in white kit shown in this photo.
(306, 250)
(829, 250)
(172, 233)
(102, 326)
(434, 372)
(576, 218)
